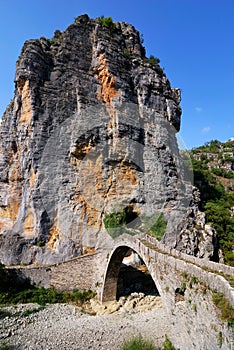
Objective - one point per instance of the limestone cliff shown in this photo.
(91, 130)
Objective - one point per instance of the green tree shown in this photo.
(218, 214)
(107, 22)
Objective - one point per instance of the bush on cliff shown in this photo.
(155, 225)
(106, 22)
(118, 222)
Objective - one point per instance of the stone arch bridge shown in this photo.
(185, 284)
(169, 269)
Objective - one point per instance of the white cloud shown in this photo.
(206, 130)
(198, 109)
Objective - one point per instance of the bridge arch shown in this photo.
(109, 288)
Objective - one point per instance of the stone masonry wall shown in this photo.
(78, 273)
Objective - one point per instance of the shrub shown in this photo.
(57, 34)
(40, 244)
(5, 346)
(114, 223)
(106, 22)
(32, 311)
(168, 344)
(4, 314)
(227, 312)
(154, 60)
(127, 54)
(222, 172)
(12, 292)
(141, 39)
(138, 343)
(155, 225)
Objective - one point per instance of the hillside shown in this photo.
(213, 168)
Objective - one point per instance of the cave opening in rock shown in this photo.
(134, 277)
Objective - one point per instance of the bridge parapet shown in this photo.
(206, 264)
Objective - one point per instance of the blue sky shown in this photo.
(192, 38)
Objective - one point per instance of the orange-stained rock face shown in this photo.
(26, 108)
(107, 81)
(11, 210)
(98, 188)
(54, 234)
(32, 178)
(29, 223)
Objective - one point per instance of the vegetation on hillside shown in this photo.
(213, 167)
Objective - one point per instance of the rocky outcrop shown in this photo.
(91, 130)
(197, 237)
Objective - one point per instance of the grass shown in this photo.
(32, 311)
(155, 225)
(13, 292)
(43, 296)
(226, 310)
(138, 343)
(168, 344)
(4, 314)
(5, 346)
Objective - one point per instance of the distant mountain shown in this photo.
(213, 167)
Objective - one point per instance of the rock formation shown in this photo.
(91, 131)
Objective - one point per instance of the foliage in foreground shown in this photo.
(12, 292)
(44, 296)
(138, 343)
(4, 346)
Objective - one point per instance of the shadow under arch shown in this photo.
(109, 290)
